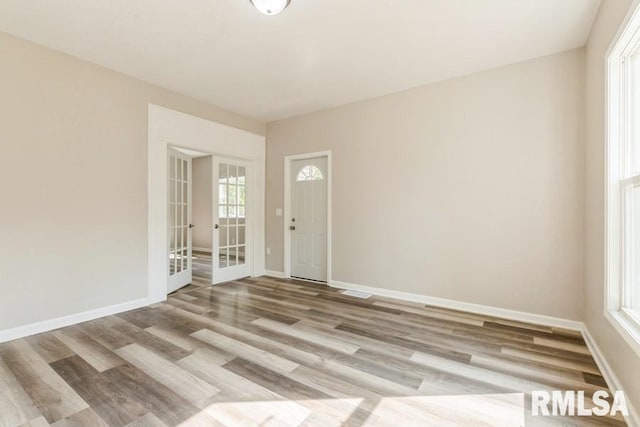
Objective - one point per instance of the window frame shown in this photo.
(619, 95)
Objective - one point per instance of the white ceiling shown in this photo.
(316, 54)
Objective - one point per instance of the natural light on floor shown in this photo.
(487, 409)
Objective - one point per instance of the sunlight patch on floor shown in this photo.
(459, 410)
(329, 412)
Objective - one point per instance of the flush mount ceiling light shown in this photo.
(271, 7)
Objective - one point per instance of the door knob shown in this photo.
(216, 226)
(191, 225)
(292, 228)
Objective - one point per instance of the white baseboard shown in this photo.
(61, 322)
(276, 274)
(205, 250)
(633, 420)
(486, 310)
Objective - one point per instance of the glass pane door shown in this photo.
(179, 213)
(231, 243)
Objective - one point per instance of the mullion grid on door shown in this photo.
(223, 178)
(179, 201)
(232, 196)
(241, 229)
(179, 219)
(173, 254)
(185, 207)
(232, 206)
(179, 181)
(184, 225)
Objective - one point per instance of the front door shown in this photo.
(179, 196)
(232, 208)
(309, 219)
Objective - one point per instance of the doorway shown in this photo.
(210, 207)
(308, 217)
(168, 130)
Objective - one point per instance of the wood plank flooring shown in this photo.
(279, 352)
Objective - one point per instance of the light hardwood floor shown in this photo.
(279, 352)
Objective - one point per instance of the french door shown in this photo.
(179, 196)
(232, 209)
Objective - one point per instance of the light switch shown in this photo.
(278, 212)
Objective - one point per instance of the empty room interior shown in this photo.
(320, 213)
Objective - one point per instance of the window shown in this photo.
(310, 173)
(232, 191)
(623, 185)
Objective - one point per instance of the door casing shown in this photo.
(287, 208)
(172, 128)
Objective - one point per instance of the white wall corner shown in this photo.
(73, 319)
(633, 420)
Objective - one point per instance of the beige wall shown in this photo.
(202, 192)
(73, 145)
(469, 189)
(492, 161)
(623, 360)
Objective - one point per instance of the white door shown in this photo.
(309, 219)
(179, 196)
(232, 208)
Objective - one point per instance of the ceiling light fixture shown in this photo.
(271, 7)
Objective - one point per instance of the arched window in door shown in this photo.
(310, 173)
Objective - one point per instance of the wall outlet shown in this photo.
(278, 212)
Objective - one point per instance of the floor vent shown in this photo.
(356, 294)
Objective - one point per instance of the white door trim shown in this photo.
(168, 127)
(287, 207)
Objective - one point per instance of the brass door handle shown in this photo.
(292, 227)
(216, 226)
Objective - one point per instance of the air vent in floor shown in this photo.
(356, 294)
